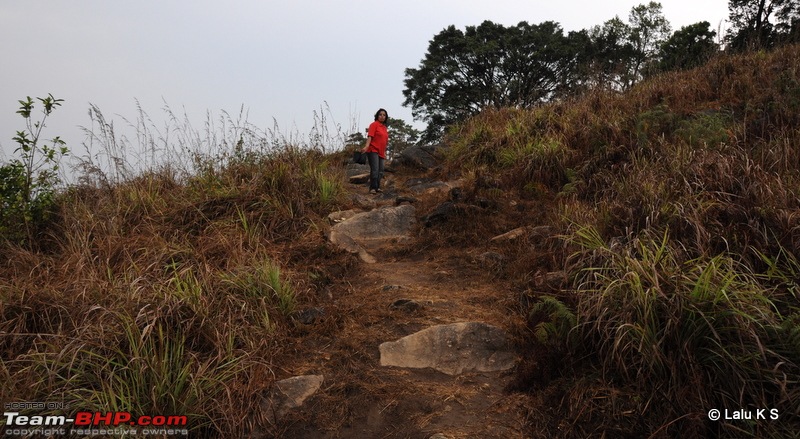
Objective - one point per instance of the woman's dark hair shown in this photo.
(379, 112)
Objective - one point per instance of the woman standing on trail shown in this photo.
(377, 138)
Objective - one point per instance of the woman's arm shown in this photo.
(364, 149)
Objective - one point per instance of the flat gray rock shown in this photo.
(346, 242)
(452, 349)
(294, 391)
(365, 231)
(383, 223)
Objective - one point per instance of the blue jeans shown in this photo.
(375, 169)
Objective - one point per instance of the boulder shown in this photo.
(297, 389)
(439, 214)
(291, 393)
(367, 231)
(552, 281)
(490, 259)
(448, 211)
(421, 157)
(347, 243)
(400, 200)
(356, 169)
(308, 316)
(379, 224)
(364, 202)
(339, 216)
(429, 187)
(452, 349)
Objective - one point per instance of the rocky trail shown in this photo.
(419, 346)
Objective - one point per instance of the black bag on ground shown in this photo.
(359, 157)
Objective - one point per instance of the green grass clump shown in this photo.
(151, 370)
(706, 326)
(264, 281)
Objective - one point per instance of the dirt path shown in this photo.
(404, 292)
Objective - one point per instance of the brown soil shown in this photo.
(361, 399)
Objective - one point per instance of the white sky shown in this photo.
(279, 59)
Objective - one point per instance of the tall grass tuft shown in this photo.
(152, 371)
(703, 327)
(263, 281)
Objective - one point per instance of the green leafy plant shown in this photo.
(553, 323)
(27, 183)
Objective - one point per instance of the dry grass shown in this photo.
(663, 284)
(170, 295)
(677, 208)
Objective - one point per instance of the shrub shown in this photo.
(27, 183)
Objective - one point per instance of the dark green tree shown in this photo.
(649, 30)
(689, 47)
(355, 140)
(610, 53)
(488, 65)
(620, 52)
(788, 21)
(544, 63)
(761, 23)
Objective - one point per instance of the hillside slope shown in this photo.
(651, 277)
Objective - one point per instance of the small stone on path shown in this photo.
(405, 305)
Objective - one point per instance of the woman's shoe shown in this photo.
(379, 190)
(373, 191)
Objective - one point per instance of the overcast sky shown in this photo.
(279, 60)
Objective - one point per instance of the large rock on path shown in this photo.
(420, 157)
(367, 231)
(452, 349)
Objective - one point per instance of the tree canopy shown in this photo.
(488, 66)
(762, 23)
(688, 47)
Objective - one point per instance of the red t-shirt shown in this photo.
(380, 137)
